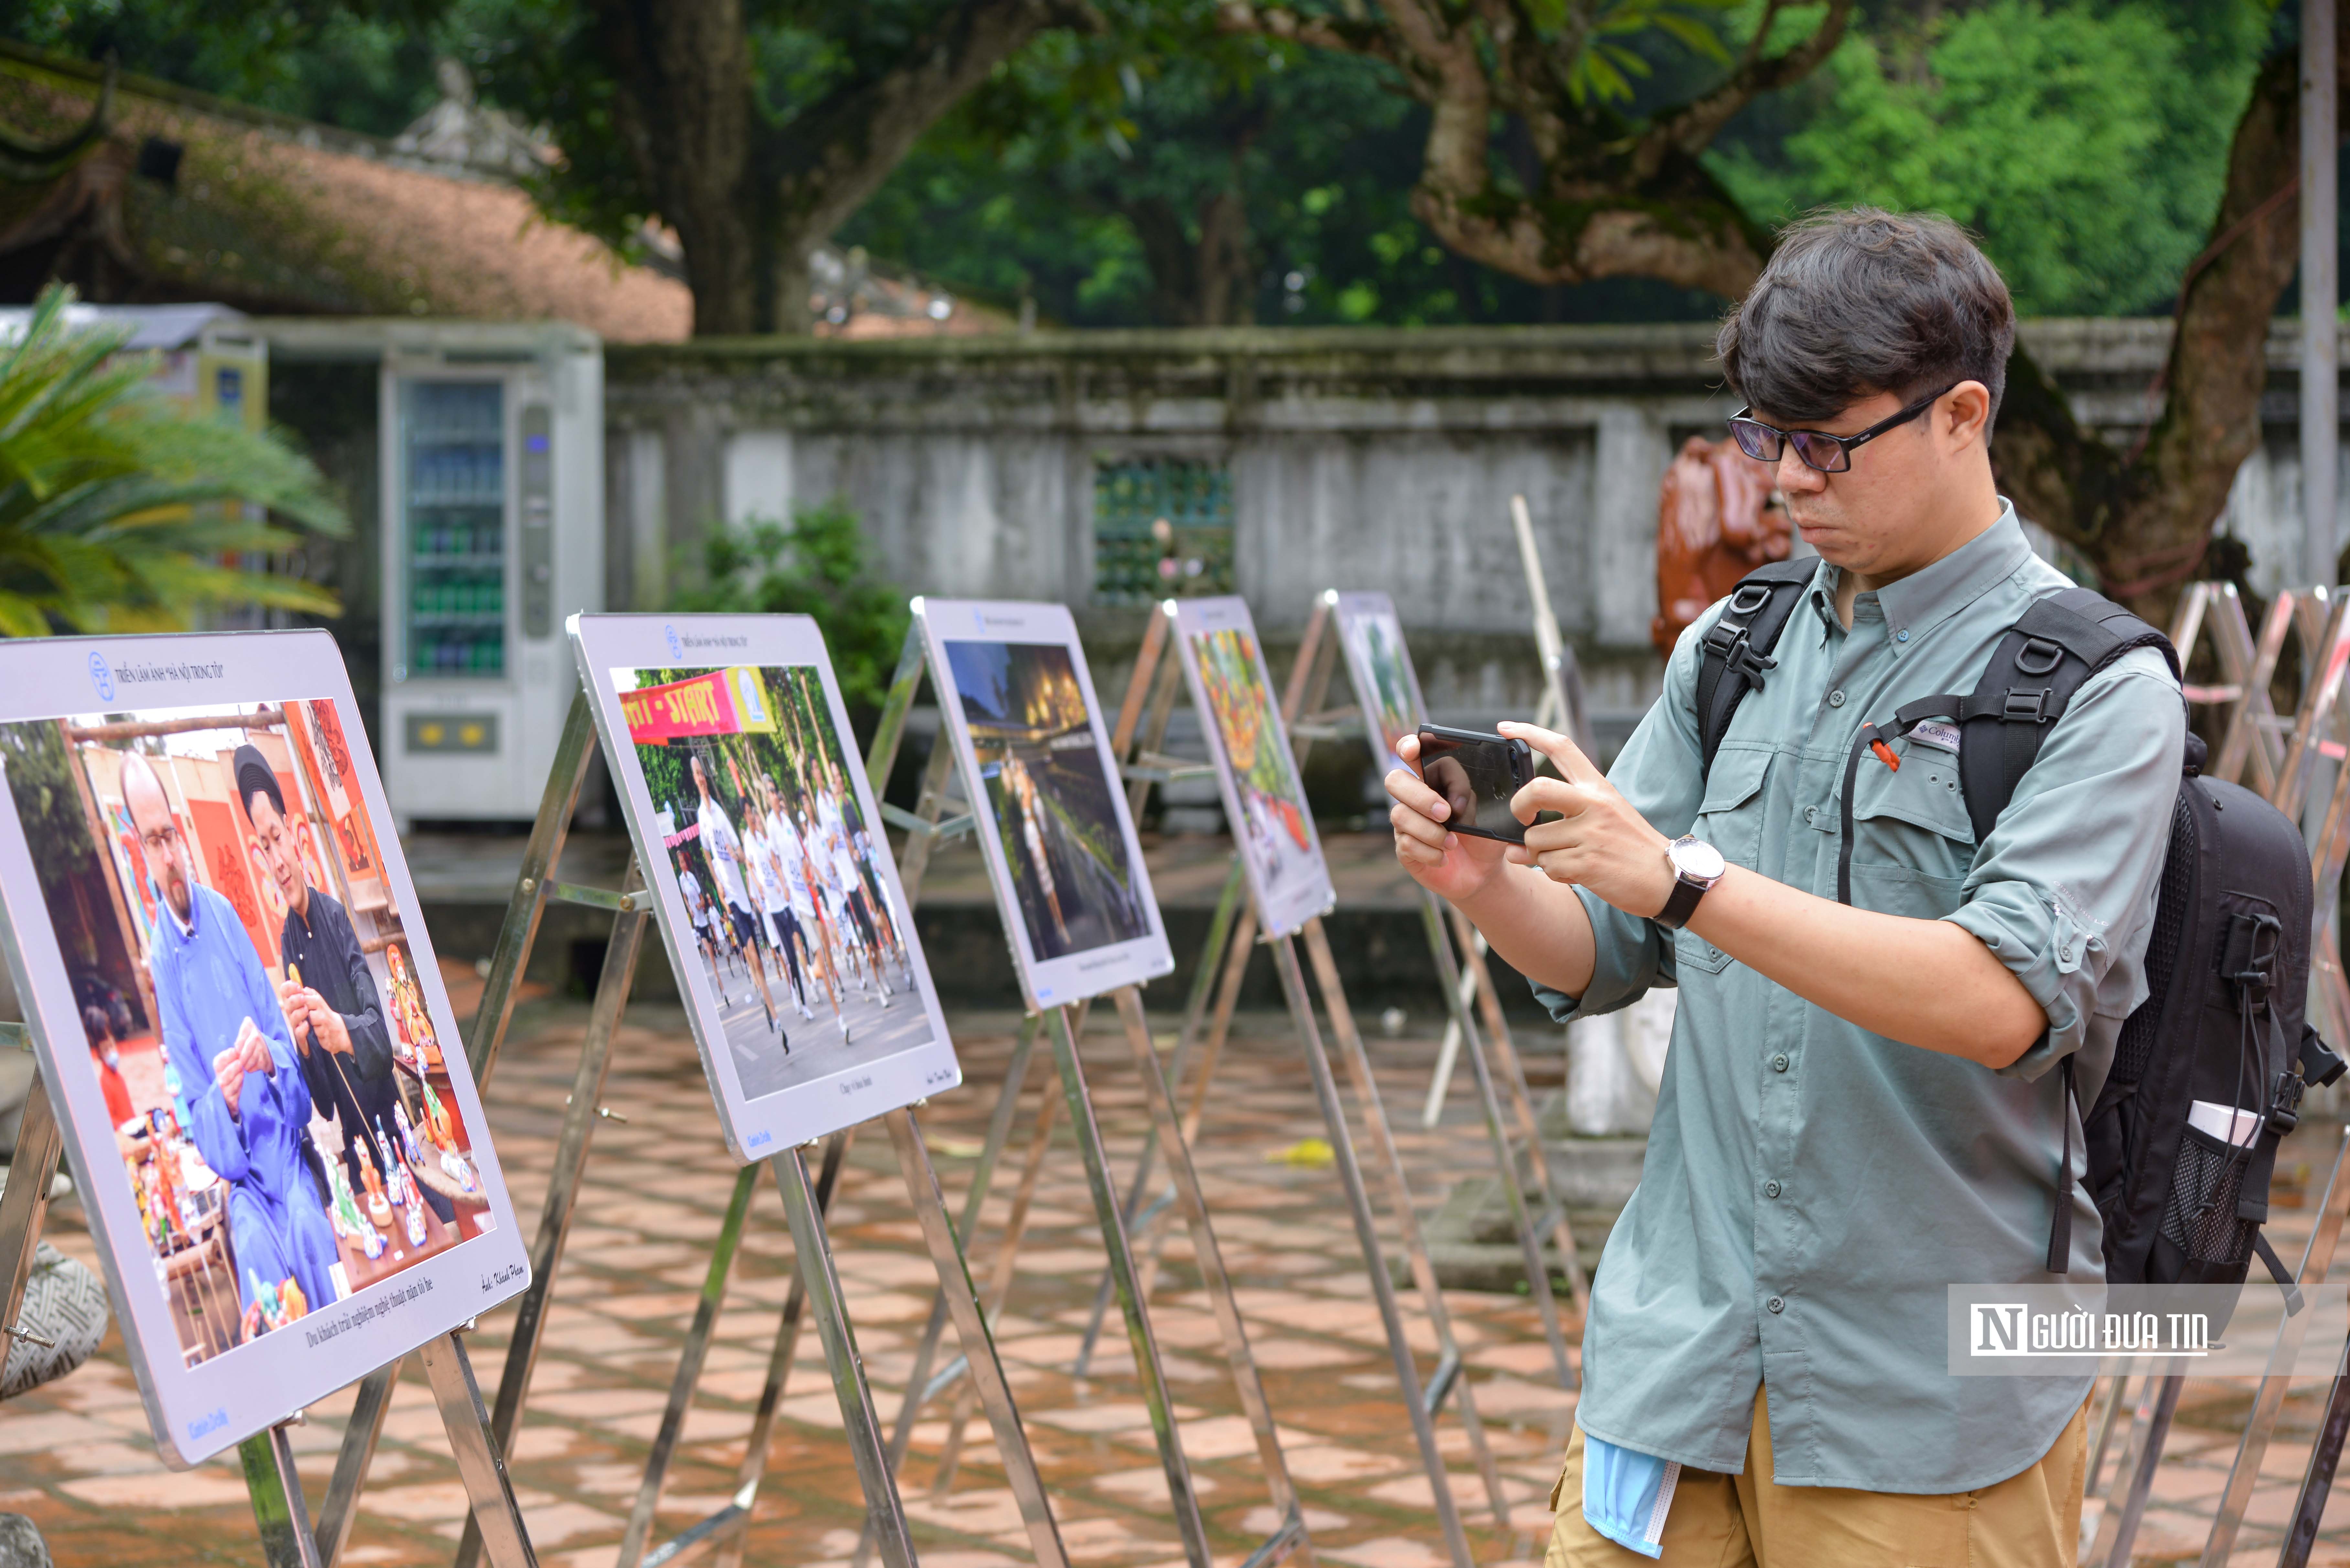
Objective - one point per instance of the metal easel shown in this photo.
(1158, 665)
(928, 825)
(1309, 719)
(814, 1279)
(283, 1519)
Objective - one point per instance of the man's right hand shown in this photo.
(1452, 865)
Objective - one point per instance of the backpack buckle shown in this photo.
(1741, 605)
(1737, 655)
(2284, 1100)
(2248, 954)
(2026, 706)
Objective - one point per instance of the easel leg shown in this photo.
(2317, 1481)
(1240, 937)
(278, 1506)
(1514, 1080)
(1358, 1204)
(733, 1522)
(579, 1118)
(688, 1368)
(24, 1205)
(1246, 1381)
(978, 1344)
(1182, 1499)
(340, 1510)
(2117, 1530)
(920, 1387)
(886, 1513)
(1505, 1160)
(1451, 1374)
(480, 1462)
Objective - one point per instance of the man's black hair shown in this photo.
(1864, 301)
(94, 1024)
(256, 776)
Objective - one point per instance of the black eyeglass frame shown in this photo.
(1740, 423)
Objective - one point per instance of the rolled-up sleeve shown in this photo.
(1660, 772)
(2063, 890)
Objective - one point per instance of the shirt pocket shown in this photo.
(1731, 819)
(1912, 842)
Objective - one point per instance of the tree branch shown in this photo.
(1690, 129)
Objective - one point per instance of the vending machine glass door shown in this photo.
(452, 491)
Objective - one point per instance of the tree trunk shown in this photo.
(1204, 282)
(2143, 516)
(685, 113)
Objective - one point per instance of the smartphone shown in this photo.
(1479, 774)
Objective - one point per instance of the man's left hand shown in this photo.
(1599, 841)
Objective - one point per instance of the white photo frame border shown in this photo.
(199, 1411)
(1091, 971)
(754, 1128)
(1348, 610)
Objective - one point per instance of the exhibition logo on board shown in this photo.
(676, 648)
(100, 676)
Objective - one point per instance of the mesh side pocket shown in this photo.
(2200, 1219)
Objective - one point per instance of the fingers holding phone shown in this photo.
(1450, 864)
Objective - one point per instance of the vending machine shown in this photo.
(492, 465)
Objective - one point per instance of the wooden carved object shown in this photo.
(1718, 518)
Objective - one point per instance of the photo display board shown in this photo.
(1265, 800)
(1019, 706)
(1380, 665)
(264, 1095)
(745, 794)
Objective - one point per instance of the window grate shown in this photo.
(1162, 528)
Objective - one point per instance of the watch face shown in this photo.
(1697, 860)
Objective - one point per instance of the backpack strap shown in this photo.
(2046, 656)
(1735, 651)
(2060, 1228)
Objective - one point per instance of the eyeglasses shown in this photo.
(1818, 449)
(158, 840)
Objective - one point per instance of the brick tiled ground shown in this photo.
(76, 1455)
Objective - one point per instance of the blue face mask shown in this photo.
(111, 1057)
(1626, 1495)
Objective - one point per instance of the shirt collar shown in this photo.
(1927, 597)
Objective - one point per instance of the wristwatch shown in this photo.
(1697, 867)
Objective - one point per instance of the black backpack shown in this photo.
(2227, 967)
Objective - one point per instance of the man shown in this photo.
(784, 856)
(328, 996)
(217, 1008)
(727, 866)
(1857, 1109)
(698, 911)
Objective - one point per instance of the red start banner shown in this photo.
(704, 705)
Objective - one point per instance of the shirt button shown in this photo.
(1810, 814)
(1770, 1189)
(1901, 636)
(1776, 1305)
(1836, 698)
(1779, 1063)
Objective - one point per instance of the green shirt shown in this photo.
(1809, 1189)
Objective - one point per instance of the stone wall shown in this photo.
(1360, 459)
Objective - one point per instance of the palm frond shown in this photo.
(121, 511)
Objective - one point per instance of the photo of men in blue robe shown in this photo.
(218, 1011)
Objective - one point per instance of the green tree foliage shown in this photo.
(363, 65)
(2086, 143)
(815, 565)
(120, 511)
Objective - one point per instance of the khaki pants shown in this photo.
(2028, 1521)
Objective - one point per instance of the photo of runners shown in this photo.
(1056, 812)
(785, 882)
(1380, 665)
(1271, 827)
(279, 1094)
